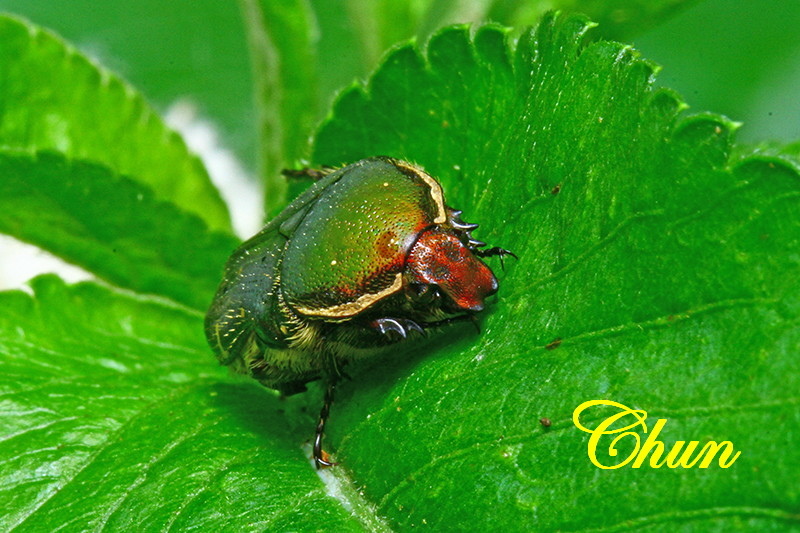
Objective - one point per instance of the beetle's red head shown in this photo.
(440, 258)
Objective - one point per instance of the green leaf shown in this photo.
(666, 268)
(667, 272)
(196, 54)
(299, 63)
(621, 19)
(54, 98)
(110, 225)
(115, 418)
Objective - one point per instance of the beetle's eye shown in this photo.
(434, 291)
(419, 289)
(426, 292)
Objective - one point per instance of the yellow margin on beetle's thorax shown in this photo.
(436, 190)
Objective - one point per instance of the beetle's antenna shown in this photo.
(319, 460)
(453, 320)
(475, 323)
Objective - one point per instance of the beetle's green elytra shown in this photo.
(366, 255)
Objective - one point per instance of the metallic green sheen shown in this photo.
(246, 308)
(355, 239)
(349, 216)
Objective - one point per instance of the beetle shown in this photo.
(367, 257)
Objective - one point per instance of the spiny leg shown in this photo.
(319, 461)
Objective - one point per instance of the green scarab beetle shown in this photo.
(367, 255)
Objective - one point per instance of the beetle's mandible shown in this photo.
(367, 256)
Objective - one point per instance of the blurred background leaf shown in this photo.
(53, 98)
(110, 225)
(740, 58)
(733, 56)
(179, 49)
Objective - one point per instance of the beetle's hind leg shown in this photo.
(315, 174)
(320, 457)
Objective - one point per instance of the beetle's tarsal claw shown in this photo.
(498, 252)
(387, 326)
(396, 326)
(495, 251)
(321, 463)
(411, 325)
